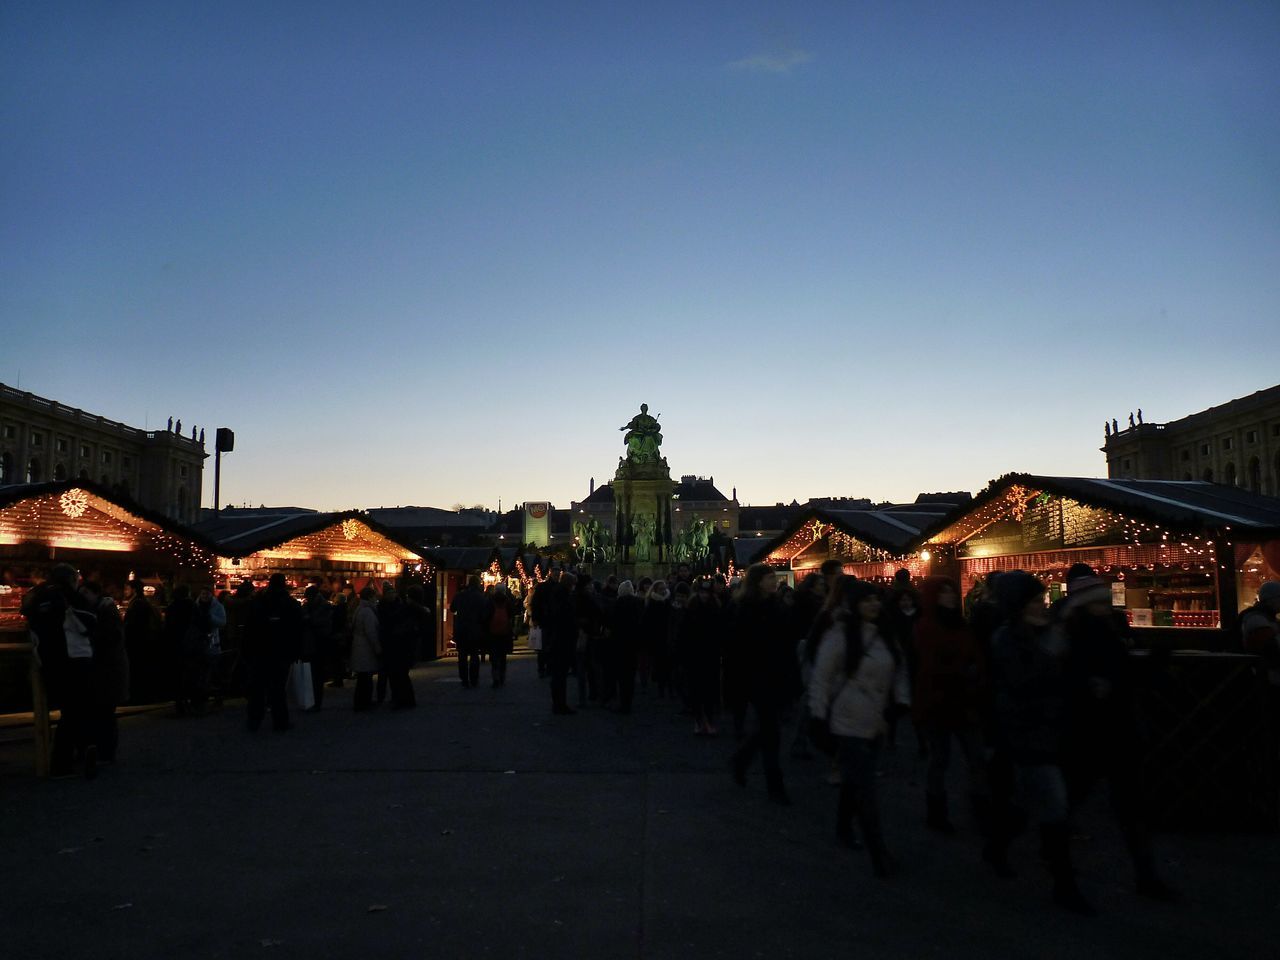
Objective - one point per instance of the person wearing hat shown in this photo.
(1102, 737)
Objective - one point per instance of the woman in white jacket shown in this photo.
(859, 675)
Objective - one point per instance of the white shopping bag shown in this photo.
(300, 689)
(535, 638)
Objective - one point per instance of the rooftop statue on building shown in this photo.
(643, 437)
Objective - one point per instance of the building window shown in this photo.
(1128, 464)
(61, 444)
(84, 451)
(37, 440)
(1226, 443)
(1251, 436)
(106, 457)
(6, 468)
(182, 471)
(1204, 449)
(10, 431)
(125, 463)
(33, 470)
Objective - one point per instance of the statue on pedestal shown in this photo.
(645, 528)
(643, 437)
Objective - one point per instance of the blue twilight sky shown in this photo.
(439, 252)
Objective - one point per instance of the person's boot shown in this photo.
(778, 792)
(1056, 839)
(845, 809)
(882, 865)
(936, 815)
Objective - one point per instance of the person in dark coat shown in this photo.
(398, 629)
(625, 633)
(1102, 736)
(273, 641)
(589, 624)
(141, 641)
(768, 671)
(110, 670)
(500, 623)
(63, 626)
(467, 610)
(1028, 671)
(700, 643)
(553, 609)
(655, 629)
(947, 703)
(317, 640)
(189, 664)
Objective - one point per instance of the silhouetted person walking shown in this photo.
(768, 671)
(274, 641)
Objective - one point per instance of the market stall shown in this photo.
(870, 544)
(1182, 558)
(492, 565)
(309, 547)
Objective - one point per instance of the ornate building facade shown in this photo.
(1237, 443)
(41, 440)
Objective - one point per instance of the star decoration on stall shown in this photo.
(350, 529)
(817, 528)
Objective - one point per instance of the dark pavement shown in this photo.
(478, 825)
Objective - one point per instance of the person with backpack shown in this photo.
(500, 626)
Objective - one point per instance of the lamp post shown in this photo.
(224, 442)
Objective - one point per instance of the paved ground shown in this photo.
(479, 825)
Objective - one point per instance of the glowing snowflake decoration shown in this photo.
(74, 503)
(350, 529)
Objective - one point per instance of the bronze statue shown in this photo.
(643, 437)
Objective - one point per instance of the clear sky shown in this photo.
(439, 252)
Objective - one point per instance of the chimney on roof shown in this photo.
(592, 488)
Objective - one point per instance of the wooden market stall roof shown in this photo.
(349, 534)
(474, 559)
(1183, 506)
(890, 532)
(83, 515)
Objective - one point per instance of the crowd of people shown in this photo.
(1038, 699)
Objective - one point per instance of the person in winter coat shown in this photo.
(767, 670)
(655, 630)
(272, 642)
(700, 643)
(366, 648)
(1102, 738)
(62, 626)
(398, 629)
(188, 666)
(587, 637)
(500, 624)
(859, 675)
(947, 702)
(467, 609)
(1028, 671)
(142, 644)
(110, 669)
(628, 611)
(317, 640)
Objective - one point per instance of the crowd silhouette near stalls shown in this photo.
(1037, 699)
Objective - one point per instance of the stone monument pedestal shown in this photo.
(642, 494)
